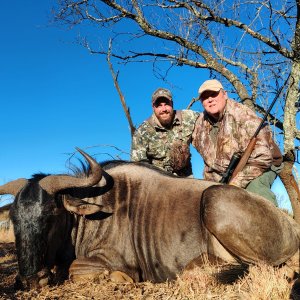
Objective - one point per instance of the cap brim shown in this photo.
(216, 89)
(162, 97)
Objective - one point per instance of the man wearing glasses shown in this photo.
(225, 128)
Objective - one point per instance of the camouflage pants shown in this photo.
(262, 185)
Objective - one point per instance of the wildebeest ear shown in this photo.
(81, 207)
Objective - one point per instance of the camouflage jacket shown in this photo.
(167, 149)
(217, 142)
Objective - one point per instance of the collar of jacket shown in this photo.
(153, 121)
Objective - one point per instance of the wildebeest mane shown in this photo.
(107, 165)
(38, 176)
(84, 169)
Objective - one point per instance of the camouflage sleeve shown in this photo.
(138, 147)
(190, 116)
(261, 157)
(196, 129)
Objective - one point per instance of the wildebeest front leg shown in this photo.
(248, 226)
(90, 268)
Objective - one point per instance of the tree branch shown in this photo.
(122, 98)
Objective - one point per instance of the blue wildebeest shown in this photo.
(140, 224)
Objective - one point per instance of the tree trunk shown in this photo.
(292, 188)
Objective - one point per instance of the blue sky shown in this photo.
(56, 96)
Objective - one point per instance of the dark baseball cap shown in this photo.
(161, 93)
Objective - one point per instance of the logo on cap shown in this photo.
(161, 93)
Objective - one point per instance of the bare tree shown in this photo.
(254, 46)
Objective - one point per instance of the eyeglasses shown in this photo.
(209, 94)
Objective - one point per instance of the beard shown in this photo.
(166, 119)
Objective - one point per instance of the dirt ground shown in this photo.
(8, 270)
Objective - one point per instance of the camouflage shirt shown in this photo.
(217, 142)
(167, 149)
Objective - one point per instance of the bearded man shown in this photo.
(164, 139)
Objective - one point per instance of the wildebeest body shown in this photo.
(250, 227)
(151, 234)
(144, 223)
(154, 235)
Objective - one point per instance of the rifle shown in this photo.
(238, 160)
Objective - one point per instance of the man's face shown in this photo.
(214, 102)
(163, 110)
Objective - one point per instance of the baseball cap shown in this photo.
(161, 93)
(210, 85)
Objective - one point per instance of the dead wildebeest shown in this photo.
(140, 224)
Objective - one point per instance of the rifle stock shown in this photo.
(243, 161)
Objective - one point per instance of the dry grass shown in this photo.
(262, 283)
(6, 232)
(6, 227)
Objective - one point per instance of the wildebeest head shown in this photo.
(41, 224)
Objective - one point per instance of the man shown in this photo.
(225, 128)
(164, 139)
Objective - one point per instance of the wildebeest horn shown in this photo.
(54, 183)
(13, 187)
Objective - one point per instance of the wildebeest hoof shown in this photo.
(120, 277)
(43, 282)
(86, 269)
(83, 277)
